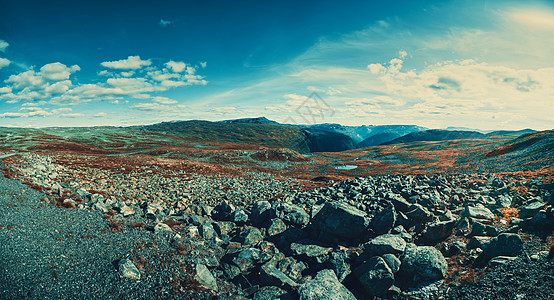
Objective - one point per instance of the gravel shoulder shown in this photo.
(48, 252)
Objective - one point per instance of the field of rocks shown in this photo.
(261, 235)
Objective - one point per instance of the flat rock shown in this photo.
(479, 211)
(383, 244)
(270, 275)
(325, 285)
(530, 209)
(205, 277)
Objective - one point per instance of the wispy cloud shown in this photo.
(131, 63)
(3, 45)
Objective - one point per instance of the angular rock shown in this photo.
(162, 227)
(383, 244)
(310, 253)
(500, 260)
(400, 204)
(260, 212)
(478, 228)
(239, 216)
(384, 221)
(247, 259)
(270, 275)
(128, 269)
(291, 214)
(223, 211)
(423, 263)
(438, 231)
(419, 214)
(478, 242)
(275, 227)
(205, 277)
(505, 244)
(207, 231)
(325, 286)
(375, 276)
(341, 220)
(530, 209)
(479, 211)
(250, 236)
(292, 268)
(269, 293)
(338, 262)
(392, 262)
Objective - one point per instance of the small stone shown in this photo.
(162, 227)
(500, 260)
(205, 277)
(128, 269)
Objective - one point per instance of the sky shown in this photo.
(477, 64)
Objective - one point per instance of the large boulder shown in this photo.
(438, 231)
(250, 236)
(310, 253)
(478, 211)
(260, 212)
(341, 220)
(325, 286)
(530, 209)
(375, 276)
(505, 244)
(423, 263)
(270, 275)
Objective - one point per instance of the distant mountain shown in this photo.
(360, 133)
(326, 141)
(378, 139)
(436, 135)
(511, 132)
(258, 120)
(249, 131)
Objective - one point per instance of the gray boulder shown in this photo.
(423, 263)
(384, 221)
(341, 220)
(438, 231)
(505, 244)
(375, 276)
(239, 216)
(223, 211)
(392, 261)
(250, 236)
(419, 214)
(479, 211)
(383, 244)
(325, 286)
(260, 212)
(290, 214)
(530, 209)
(275, 227)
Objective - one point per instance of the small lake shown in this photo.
(345, 167)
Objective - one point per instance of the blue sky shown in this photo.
(476, 64)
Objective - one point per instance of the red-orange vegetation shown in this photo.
(509, 213)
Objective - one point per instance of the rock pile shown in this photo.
(384, 236)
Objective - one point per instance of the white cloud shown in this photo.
(3, 45)
(73, 115)
(539, 18)
(164, 100)
(176, 66)
(5, 90)
(4, 62)
(131, 63)
(33, 111)
(151, 106)
(203, 64)
(100, 114)
(57, 71)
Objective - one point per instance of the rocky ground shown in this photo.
(171, 233)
